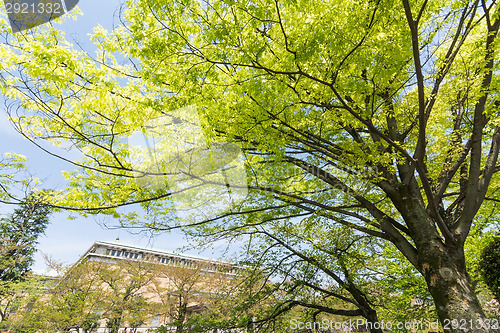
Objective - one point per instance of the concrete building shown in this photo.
(115, 252)
(112, 251)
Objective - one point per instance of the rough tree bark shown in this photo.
(450, 286)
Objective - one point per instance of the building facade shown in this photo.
(112, 251)
(180, 277)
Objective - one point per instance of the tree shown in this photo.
(317, 271)
(71, 302)
(19, 233)
(376, 115)
(177, 289)
(91, 291)
(125, 283)
(17, 297)
(187, 296)
(490, 266)
(18, 238)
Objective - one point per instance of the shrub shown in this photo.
(489, 266)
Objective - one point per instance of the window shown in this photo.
(118, 253)
(113, 252)
(155, 321)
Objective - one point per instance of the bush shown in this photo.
(489, 266)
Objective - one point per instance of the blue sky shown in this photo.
(66, 240)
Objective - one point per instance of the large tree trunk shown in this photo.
(372, 318)
(450, 286)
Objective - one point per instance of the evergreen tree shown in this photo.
(19, 233)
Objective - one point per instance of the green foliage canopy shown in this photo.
(381, 116)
